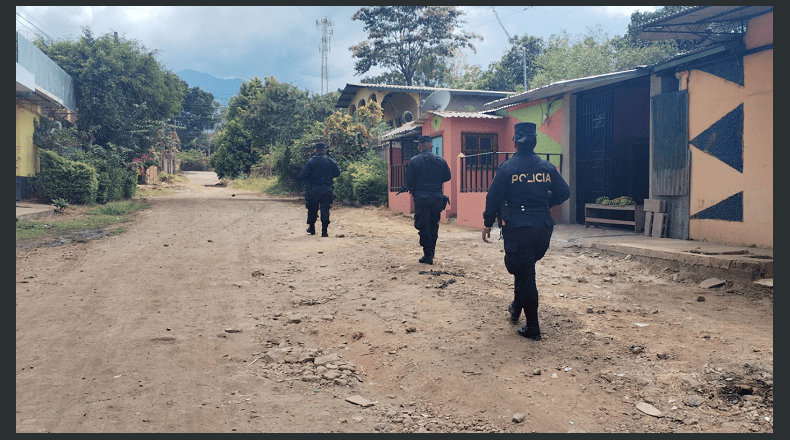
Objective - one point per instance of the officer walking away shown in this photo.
(524, 188)
(425, 174)
(318, 176)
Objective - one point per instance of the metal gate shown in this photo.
(593, 149)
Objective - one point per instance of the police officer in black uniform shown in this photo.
(318, 175)
(425, 174)
(529, 186)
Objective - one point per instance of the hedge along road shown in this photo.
(216, 312)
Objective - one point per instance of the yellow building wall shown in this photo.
(406, 104)
(26, 153)
(712, 181)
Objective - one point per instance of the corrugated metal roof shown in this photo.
(566, 86)
(405, 129)
(692, 23)
(456, 114)
(351, 90)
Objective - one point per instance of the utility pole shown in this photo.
(324, 49)
(524, 65)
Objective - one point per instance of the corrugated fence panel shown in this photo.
(670, 174)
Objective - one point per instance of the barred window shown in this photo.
(478, 143)
(408, 150)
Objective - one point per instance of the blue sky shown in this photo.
(282, 41)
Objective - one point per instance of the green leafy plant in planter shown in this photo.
(620, 201)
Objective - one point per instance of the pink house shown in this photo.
(632, 133)
(474, 144)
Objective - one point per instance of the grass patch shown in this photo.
(165, 177)
(269, 185)
(153, 191)
(95, 218)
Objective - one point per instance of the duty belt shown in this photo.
(523, 208)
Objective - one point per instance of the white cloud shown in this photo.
(621, 11)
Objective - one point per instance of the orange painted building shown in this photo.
(725, 90)
(695, 131)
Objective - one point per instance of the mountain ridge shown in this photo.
(222, 89)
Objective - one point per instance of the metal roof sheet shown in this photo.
(565, 86)
(693, 22)
(403, 130)
(456, 114)
(351, 90)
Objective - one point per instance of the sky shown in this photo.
(284, 41)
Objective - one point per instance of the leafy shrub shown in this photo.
(60, 203)
(61, 178)
(116, 180)
(287, 161)
(364, 180)
(194, 160)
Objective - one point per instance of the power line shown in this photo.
(42, 24)
(40, 32)
(500, 23)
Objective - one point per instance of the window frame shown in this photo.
(476, 161)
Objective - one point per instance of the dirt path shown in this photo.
(216, 312)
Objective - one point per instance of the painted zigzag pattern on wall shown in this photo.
(724, 141)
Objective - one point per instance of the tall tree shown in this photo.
(199, 114)
(265, 114)
(591, 54)
(120, 87)
(400, 38)
(507, 74)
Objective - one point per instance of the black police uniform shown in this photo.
(425, 174)
(319, 174)
(530, 185)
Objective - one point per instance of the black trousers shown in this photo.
(319, 198)
(427, 212)
(524, 246)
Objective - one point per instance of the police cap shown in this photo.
(423, 139)
(319, 146)
(523, 131)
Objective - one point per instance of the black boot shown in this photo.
(514, 314)
(530, 332)
(311, 229)
(324, 233)
(427, 257)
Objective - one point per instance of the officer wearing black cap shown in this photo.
(425, 174)
(318, 175)
(524, 188)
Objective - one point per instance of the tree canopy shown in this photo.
(507, 74)
(401, 38)
(199, 113)
(594, 53)
(120, 87)
(264, 114)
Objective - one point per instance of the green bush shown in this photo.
(193, 160)
(369, 185)
(116, 181)
(61, 178)
(287, 161)
(364, 180)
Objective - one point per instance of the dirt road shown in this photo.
(216, 312)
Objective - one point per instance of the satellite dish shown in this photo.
(407, 116)
(437, 101)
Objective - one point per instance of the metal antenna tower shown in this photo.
(326, 34)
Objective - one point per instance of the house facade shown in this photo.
(695, 131)
(43, 89)
(403, 104)
(712, 125)
(595, 130)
